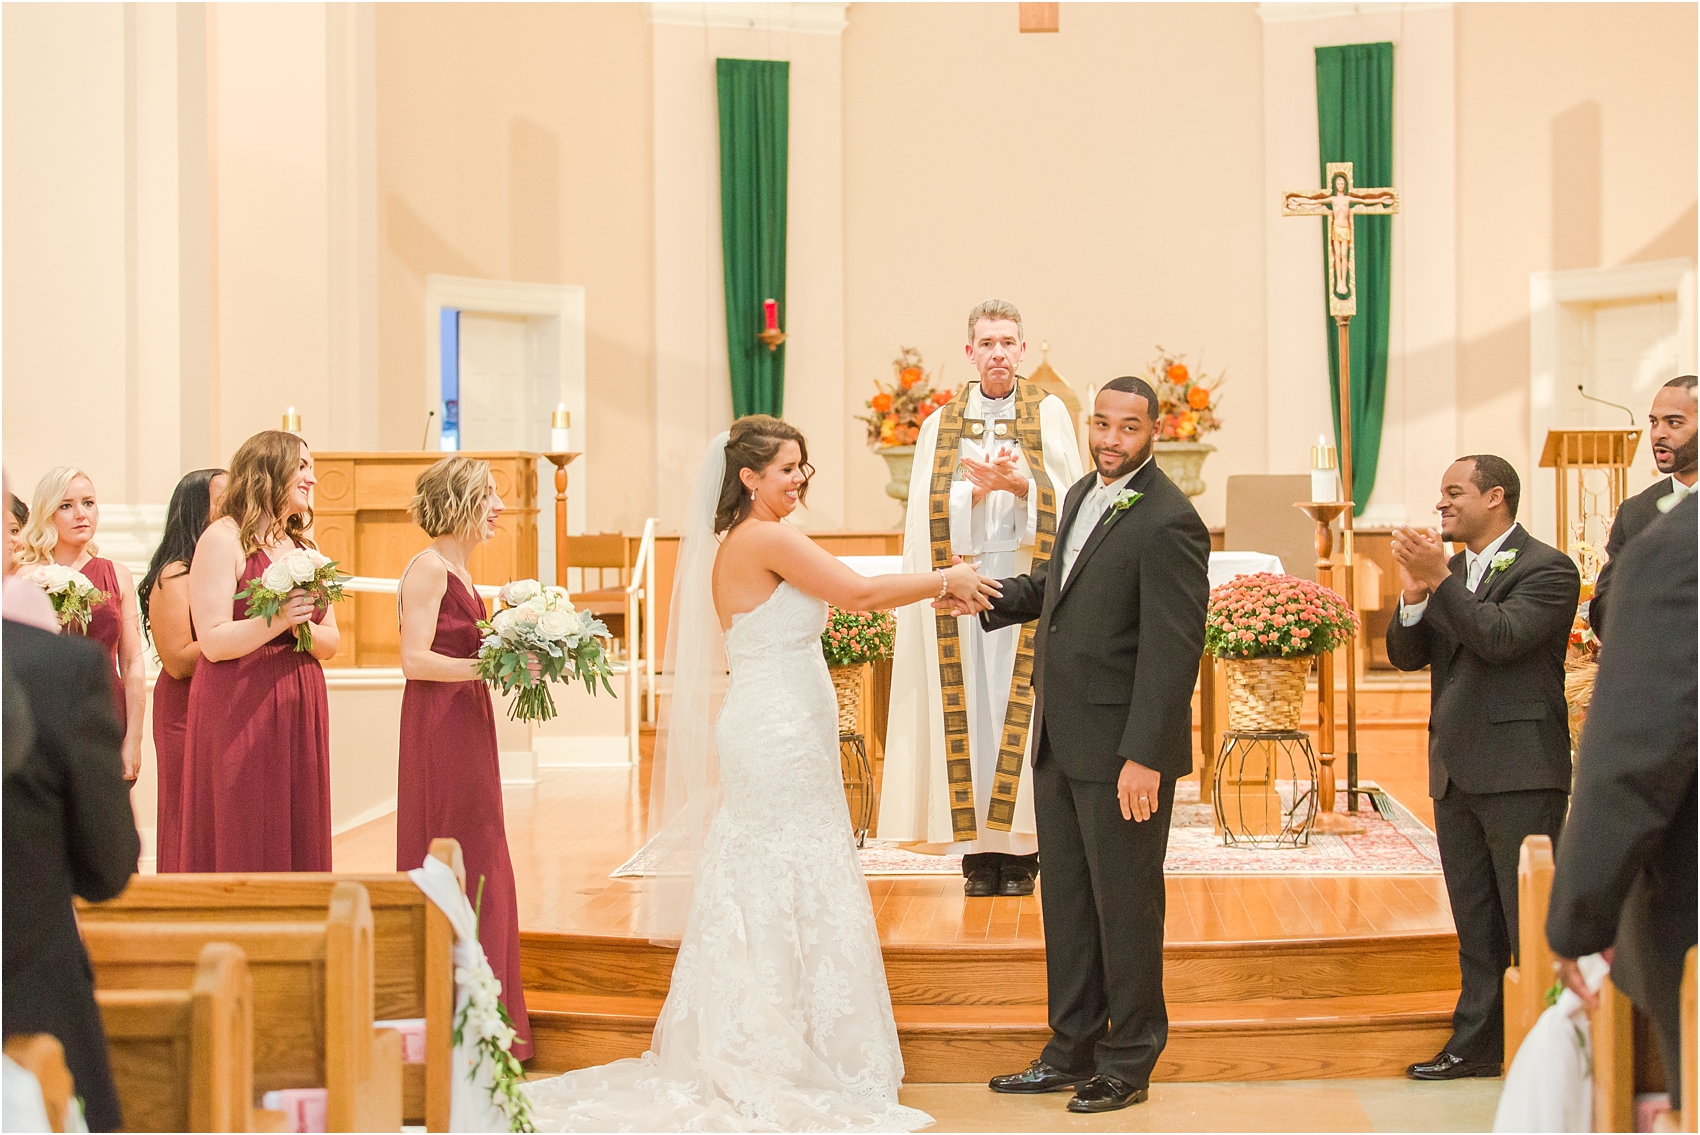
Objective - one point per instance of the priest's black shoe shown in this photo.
(1106, 1093)
(982, 883)
(1037, 1077)
(1449, 1067)
(1015, 881)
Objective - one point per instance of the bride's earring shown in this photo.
(752, 494)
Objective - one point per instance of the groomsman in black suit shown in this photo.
(1120, 611)
(1671, 430)
(1492, 625)
(1627, 869)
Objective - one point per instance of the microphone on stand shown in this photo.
(423, 440)
(1603, 402)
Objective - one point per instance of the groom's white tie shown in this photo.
(1091, 511)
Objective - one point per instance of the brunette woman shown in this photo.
(61, 530)
(450, 781)
(256, 753)
(164, 596)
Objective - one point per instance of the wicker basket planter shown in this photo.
(1266, 694)
(847, 684)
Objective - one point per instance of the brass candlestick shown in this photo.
(772, 337)
(560, 461)
(1328, 820)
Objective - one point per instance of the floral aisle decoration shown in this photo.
(305, 569)
(483, 1025)
(73, 596)
(1187, 402)
(1268, 627)
(538, 637)
(896, 410)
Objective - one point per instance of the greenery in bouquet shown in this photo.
(854, 637)
(1275, 616)
(897, 409)
(73, 596)
(1186, 402)
(304, 569)
(536, 638)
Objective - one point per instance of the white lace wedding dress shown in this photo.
(778, 1017)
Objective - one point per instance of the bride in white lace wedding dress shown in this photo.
(778, 1016)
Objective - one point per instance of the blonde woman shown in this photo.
(256, 792)
(449, 782)
(61, 528)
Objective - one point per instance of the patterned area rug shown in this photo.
(1395, 843)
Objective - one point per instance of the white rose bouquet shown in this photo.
(537, 626)
(74, 598)
(305, 569)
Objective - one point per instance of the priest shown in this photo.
(990, 469)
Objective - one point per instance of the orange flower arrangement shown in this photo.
(1186, 401)
(899, 408)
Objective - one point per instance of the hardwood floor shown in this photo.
(1268, 977)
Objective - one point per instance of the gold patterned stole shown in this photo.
(1012, 747)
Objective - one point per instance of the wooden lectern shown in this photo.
(1581, 451)
(360, 518)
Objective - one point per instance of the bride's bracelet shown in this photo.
(944, 584)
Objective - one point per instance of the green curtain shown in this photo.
(754, 118)
(1354, 123)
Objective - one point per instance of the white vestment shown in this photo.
(914, 794)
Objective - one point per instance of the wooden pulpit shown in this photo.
(360, 519)
(1578, 452)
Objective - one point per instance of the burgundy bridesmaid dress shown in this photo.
(256, 793)
(170, 723)
(106, 626)
(450, 784)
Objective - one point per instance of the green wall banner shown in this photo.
(754, 118)
(1354, 123)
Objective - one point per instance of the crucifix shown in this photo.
(1339, 202)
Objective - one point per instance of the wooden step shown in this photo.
(1255, 1039)
(971, 974)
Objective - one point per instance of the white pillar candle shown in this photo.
(1324, 480)
(559, 423)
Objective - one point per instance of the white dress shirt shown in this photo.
(1001, 522)
(1098, 499)
(1476, 565)
(1678, 490)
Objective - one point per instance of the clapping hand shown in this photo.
(1421, 559)
(967, 592)
(996, 474)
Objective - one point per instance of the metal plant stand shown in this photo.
(858, 773)
(1266, 789)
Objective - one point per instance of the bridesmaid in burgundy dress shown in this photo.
(256, 753)
(164, 595)
(450, 780)
(61, 530)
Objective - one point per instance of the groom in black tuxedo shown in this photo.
(1120, 610)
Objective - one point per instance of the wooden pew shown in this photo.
(312, 998)
(42, 1056)
(413, 947)
(183, 1059)
(1526, 983)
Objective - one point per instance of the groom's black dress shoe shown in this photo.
(1449, 1067)
(1106, 1093)
(1037, 1077)
(1015, 881)
(982, 883)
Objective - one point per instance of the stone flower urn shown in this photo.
(899, 460)
(1183, 462)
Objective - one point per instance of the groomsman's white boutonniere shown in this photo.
(1501, 561)
(1125, 499)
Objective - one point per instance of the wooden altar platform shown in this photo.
(1267, 977)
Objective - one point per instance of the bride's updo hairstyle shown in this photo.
(753, 444)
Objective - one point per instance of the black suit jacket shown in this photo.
(68, 831)
(1632, 518)
(1497, 717)
(1626, 870)
(1117, 646)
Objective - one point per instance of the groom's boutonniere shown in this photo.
(1501, 561)
(1125, 499)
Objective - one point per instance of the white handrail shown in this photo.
(378, 585)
